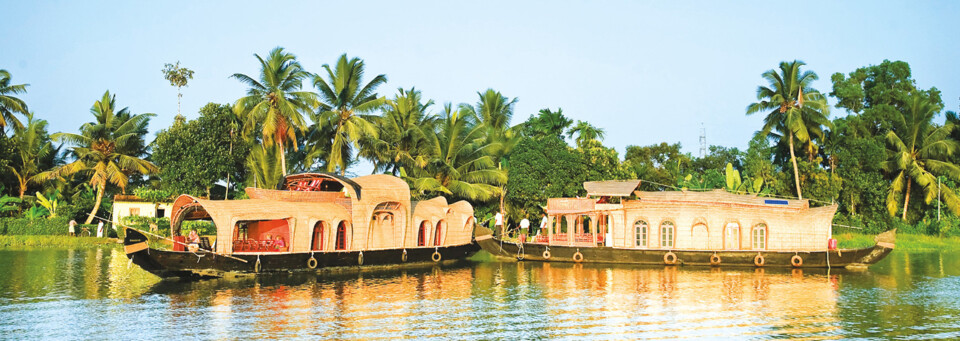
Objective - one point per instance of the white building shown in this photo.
(131, 205)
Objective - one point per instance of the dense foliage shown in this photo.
(890, 161)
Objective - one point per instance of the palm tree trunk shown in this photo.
(906, 201)
(796, 173)
(283, 159)
(96, 206)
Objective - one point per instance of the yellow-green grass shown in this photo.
(57, 242)
(905, 242)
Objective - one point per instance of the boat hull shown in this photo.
(185, 264)
(739, 258)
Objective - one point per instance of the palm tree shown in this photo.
(462, 165)
(107, 150)
(274, 104)
(919, 151)
(586, 133)
(344, 101)
(33, 145)
(547, 123)
(494, 111)
(401, 133)
(10, 105)
(796, 109)
(262, 167)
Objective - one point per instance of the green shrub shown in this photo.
(34, 227)
(143, 223)
(203, 227)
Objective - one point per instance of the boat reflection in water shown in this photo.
(502, 300)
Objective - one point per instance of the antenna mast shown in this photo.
(703, 141)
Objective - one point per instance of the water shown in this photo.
(93, 294)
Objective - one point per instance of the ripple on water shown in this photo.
(93, 294)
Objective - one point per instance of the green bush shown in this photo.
(34, 227)
(203, 227)
(143, 223)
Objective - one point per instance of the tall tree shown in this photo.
(32, 145)
(919, 151)
(9, 104)
(275, 104)
(344, 100)
(586, 133)
(546, 123)
(193, 155)
(794, 108)
(494, 111)
(461, 166)
(107, 150)
(178, 77)
(401, 133)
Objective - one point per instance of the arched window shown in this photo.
(422, 234)
(731, 236)
(760, 237)
(342, 236)
(438, 234)
(641, 227)
(666, 234)
(317, 241)
(699, 237)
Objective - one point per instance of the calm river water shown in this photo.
(93, 294)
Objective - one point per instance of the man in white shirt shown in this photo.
(543, 225)
(498, 223)
(524, 229)
(100, 229)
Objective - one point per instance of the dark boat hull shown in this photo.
(185, 264)
(745, 258)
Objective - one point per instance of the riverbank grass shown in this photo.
(905, 242)
(57, 242)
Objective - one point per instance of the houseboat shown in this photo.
(616, 223)
(312, 221)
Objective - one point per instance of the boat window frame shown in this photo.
(322, 225)
(641, 242)
(693, 230)
(438, 232)
(673, 233)
(761, 227)
(739, 228)
(345, 245)
(422, 229)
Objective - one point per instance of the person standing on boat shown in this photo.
(543, 225)
(73, 228)
(498, 224)
(524, 229)
(100, 229)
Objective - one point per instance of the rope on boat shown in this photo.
(171, 240)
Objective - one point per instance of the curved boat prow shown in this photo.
(887, 239)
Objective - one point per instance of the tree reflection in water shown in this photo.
(904, 295)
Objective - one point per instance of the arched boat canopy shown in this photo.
(226, 213)
(317, 182)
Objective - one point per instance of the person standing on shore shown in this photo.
(100, 229)
(73, 228)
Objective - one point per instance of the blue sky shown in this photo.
(646, 72)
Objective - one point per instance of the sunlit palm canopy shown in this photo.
(462, 166)
(344, 101)
(919, 151)
(274, 102)
(10, 105)
(401, 133)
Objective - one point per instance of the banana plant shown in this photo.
(9, 204)
(738, 185)
(50, 204)
(35, 212)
